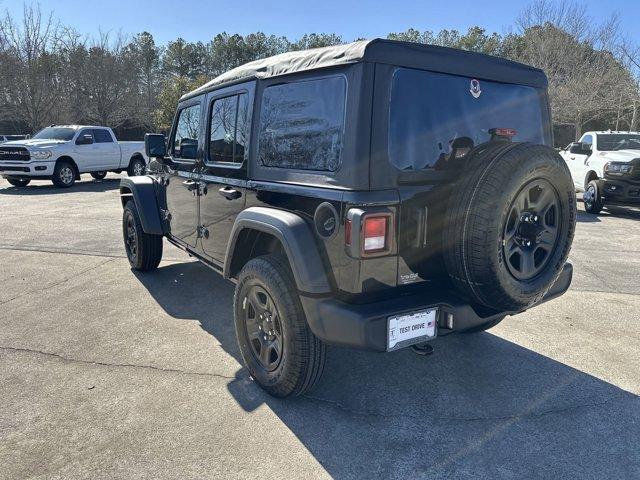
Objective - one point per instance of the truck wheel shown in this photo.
(144, 250)
(18, 182)
(99, 175)
(64, 175)
(282, 354)
(137, 167)
(511, 222)
(593, 198)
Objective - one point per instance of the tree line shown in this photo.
(50, 73)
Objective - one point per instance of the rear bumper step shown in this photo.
(364, 326)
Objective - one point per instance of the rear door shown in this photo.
(107, 150)
(182, 191)
(224, 174)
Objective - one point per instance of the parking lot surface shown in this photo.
(106, 373)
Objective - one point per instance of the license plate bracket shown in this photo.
(410, 328)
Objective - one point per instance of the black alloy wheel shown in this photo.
(531, 229)
(263, 328)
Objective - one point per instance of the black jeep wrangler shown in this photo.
(370, 195)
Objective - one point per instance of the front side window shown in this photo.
(85, 133)
(102, 136)
(228, 129)
(302, 124)
(435, 118)
(185, 140)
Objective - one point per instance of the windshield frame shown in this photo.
(59, 136)
(611, 145)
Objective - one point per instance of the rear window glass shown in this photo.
(434, 115)
(302, 124)
(102, 136)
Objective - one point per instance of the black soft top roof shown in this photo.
(391, 52)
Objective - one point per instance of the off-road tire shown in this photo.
(99, 175)
(303, 354)
(18, 182)
(61, 177)
(494, 177)
(137, 166)
(595, 205)
(147, 253)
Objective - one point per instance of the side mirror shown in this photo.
(155, 145)
(586, 148)
(85, 139)
(576, 147)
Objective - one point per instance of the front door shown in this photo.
(224, 174)
(182, 187)
(86, 155)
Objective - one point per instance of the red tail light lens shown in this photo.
(375, 233)
(347, 232)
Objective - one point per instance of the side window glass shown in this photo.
(587, 140)
(302, 124)
(185, 140)
(229, 129)
(84, 132)
(102, 136)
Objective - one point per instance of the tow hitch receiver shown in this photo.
(422, 349)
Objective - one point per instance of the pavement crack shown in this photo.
(116, 365)
(522, 416)
(59, 282)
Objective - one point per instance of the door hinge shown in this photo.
(203, 232)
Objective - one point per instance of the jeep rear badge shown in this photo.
(475, 88)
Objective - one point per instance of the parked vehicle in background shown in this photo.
(63, 152)
(370, 195)
(606, 167)
(10, 138)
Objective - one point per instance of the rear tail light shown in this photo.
(347, 232)
(375, 233)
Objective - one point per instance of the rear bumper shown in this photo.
(364, 326)
(620, 192)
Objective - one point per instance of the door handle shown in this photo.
(229, 193)
(573, 158)
(190, 185)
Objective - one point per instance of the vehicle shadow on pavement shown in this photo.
(49, 189)
(480, 407)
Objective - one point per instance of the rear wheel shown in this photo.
(282, 354)
(18, 182)
(592, 198)
(137, 167)
(144, 250)
(511, 223)
(99, 175)
(64, 175)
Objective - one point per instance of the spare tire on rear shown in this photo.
(511, 220)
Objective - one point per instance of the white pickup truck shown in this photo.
(63, 152)
(606, 167)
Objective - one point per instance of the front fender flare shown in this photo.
(143, 191)
(296, 238)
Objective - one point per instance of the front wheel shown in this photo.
(99, 175)
(144, 250)
(282, 354)
(18, 182)
(64, 175)
(137, 167)
(592, 198)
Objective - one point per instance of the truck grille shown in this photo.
(14, 153)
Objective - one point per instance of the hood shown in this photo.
(35, 142)
(620, 155)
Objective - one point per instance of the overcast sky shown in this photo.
(200, 20)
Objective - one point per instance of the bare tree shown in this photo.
(577, 54)
(30, 71)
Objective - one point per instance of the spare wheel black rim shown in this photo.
(263, 327)
(532, 229)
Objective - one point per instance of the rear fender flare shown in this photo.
(297, 240)
(143, 191)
